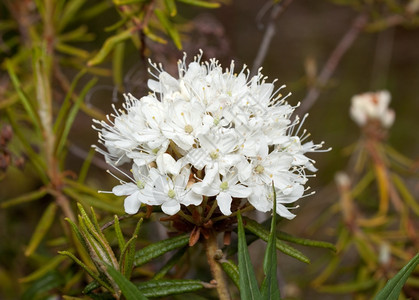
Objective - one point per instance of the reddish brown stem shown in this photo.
(217, 272)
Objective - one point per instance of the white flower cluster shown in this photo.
(211, 133)
(372, 106)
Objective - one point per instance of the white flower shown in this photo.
(224, 189)
(372, 106)
(134, 190)
(184, 124)
(209, 132)
(262, 199)
(171, 193)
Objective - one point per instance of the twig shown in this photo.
(110, 223)
(277, 10)
(216, 270)
(344, 44)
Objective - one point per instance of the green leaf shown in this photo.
(231, 270)
(170, 264)
(72, 51)
(362, 184)
(350, 287)
(71, 298)
(48, 282)
(171, 7)
(270, 288)
(305, 242)
(77, 233)
(128, 289)
(89, 13)
(127, 2)
(86, 268)
(118, 233)
(205, 4)
(248, 284)
(392, 289)
(22, 96)
(96, 202)
(168, 27)
(79, 34)
(42, 228)
(50, 265)
(66, 105)
(95, 221)
(407, 196)
(129, 257)
(91, 287)
(162, 288)
(34, 157)
(72, 115)
(157, 249)
(152, 36)
(118, 59)
(119, 23)
(70, 10)
(261, 232)
(109, 44)
(86, 165)
(32, 196)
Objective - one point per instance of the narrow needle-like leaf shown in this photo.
(248, 285)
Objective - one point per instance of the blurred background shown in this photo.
(380, 52)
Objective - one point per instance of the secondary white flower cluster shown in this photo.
(372, 106)
(209, 133)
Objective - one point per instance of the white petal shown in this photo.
(296, 193)
(244, 170)
(260, 201)
(204, 189)
(212, 176)
(239, 191)
(182, 179)
(167, 164)
(170, 207)
(132, 204)
(224, 203)
(284, 212)
(154, 85)
(125, 189)
(192, 198)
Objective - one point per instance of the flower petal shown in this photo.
(224, 203)
(204, 189)
(125, 189)
(192, 198)
(132, 204)
(239, 191)
(170, 207)
(284, 212)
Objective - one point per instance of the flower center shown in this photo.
(214, 154)
(171, 193)
(259, 169)
(216, 121)
(140, 184)
(224, 185)
(155, 150)
(188, 128)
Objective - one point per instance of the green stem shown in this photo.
(213, 207)
(186, 217)
(247, 208)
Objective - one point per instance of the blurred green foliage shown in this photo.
(55, 54)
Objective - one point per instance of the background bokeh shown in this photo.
(305, 35)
